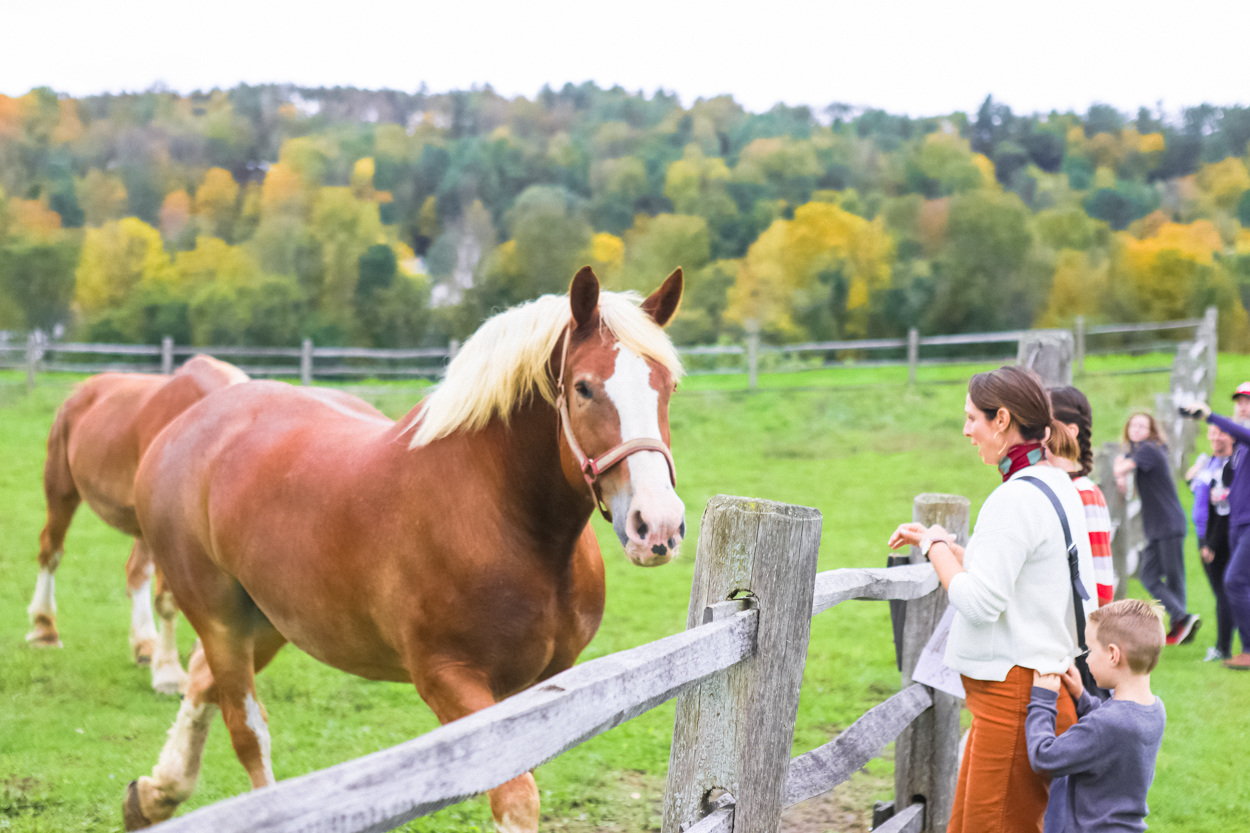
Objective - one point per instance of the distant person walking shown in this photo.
(1211, 510)
(1012, 593)
(1162, 567)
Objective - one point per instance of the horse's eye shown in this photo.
(583, 390)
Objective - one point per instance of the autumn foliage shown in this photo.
(264, 215)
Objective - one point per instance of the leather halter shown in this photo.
(593, 467)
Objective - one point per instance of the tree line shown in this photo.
(266, 214)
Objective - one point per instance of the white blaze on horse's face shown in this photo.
(649, 517)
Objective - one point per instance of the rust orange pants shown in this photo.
(998, 792)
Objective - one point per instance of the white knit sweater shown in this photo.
(1013, 603)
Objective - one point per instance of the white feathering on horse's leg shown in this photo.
(167, 674)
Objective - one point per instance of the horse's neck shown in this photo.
(528, 451)
(524, 457)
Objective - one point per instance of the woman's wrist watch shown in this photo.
(927, 542)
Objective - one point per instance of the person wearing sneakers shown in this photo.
(1162, 568)
(1237, 574)
(1211, 509)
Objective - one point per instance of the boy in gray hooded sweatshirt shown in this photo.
(1109, 755)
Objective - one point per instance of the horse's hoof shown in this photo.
(132, 812)
(44, 639)
(169, 679)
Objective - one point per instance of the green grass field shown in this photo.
(76, 724)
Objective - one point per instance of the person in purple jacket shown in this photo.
(1237, 574)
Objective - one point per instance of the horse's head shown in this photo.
(615, 396)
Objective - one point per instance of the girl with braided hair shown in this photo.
(1072, 410)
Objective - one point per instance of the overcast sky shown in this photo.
(918, 57)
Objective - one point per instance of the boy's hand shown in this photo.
(1072, 682)
(1047, 681)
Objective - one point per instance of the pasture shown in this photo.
(77, 724)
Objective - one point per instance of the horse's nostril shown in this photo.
(672, 545)
(642, 527)
(681, 530)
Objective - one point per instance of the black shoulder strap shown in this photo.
(1079, 593)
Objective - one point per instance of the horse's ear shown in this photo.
(584, 295)
(663, 303)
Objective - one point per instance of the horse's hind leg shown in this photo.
(63, 499)
(154, 798)
(167, 674)
(453, 691)
(223, 683)
(139, 588)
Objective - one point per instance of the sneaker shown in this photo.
(1184, 630)
(1241, 662)
(1215, 654)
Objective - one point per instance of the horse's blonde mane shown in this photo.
(505, 361)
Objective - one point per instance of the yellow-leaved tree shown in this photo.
(813, 276)
(116, 258)
(216, 202)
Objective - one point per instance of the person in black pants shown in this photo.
(1162, 568)
(1211, 516)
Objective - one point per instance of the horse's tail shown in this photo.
(59, 488)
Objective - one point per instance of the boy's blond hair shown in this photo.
(1136, 626)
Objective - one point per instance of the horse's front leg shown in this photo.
(454, 690)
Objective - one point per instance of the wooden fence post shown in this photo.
(1049, 354)
(1210, 332)
(1078, 328)
(34, 352)
(1126, 532)
(753, 351)
(926, 754)
(913, 354)
(167, 355)
(733, 732)
(306, 362)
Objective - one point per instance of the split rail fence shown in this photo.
(38, 354)
(736, 673)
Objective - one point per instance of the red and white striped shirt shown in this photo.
(1098, 520)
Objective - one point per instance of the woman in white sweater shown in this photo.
(1012, 592)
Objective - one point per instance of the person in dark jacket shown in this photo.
(1237, 574)
(1162, 568)
(1211, 509)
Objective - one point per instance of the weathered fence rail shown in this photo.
(308, 362)
(736, 672)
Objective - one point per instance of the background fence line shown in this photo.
(308, 362)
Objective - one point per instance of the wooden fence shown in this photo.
(38, 354)
(736, 673)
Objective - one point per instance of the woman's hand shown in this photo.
(1072, 682)
(912, 534)
(907, 534)
(1046, 681)
(1123, 466)
(1207, 555)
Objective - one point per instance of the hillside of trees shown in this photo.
(265, 214)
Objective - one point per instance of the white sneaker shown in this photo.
(1213, 655)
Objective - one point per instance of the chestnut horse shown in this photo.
(461, 561)
(94, 447)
